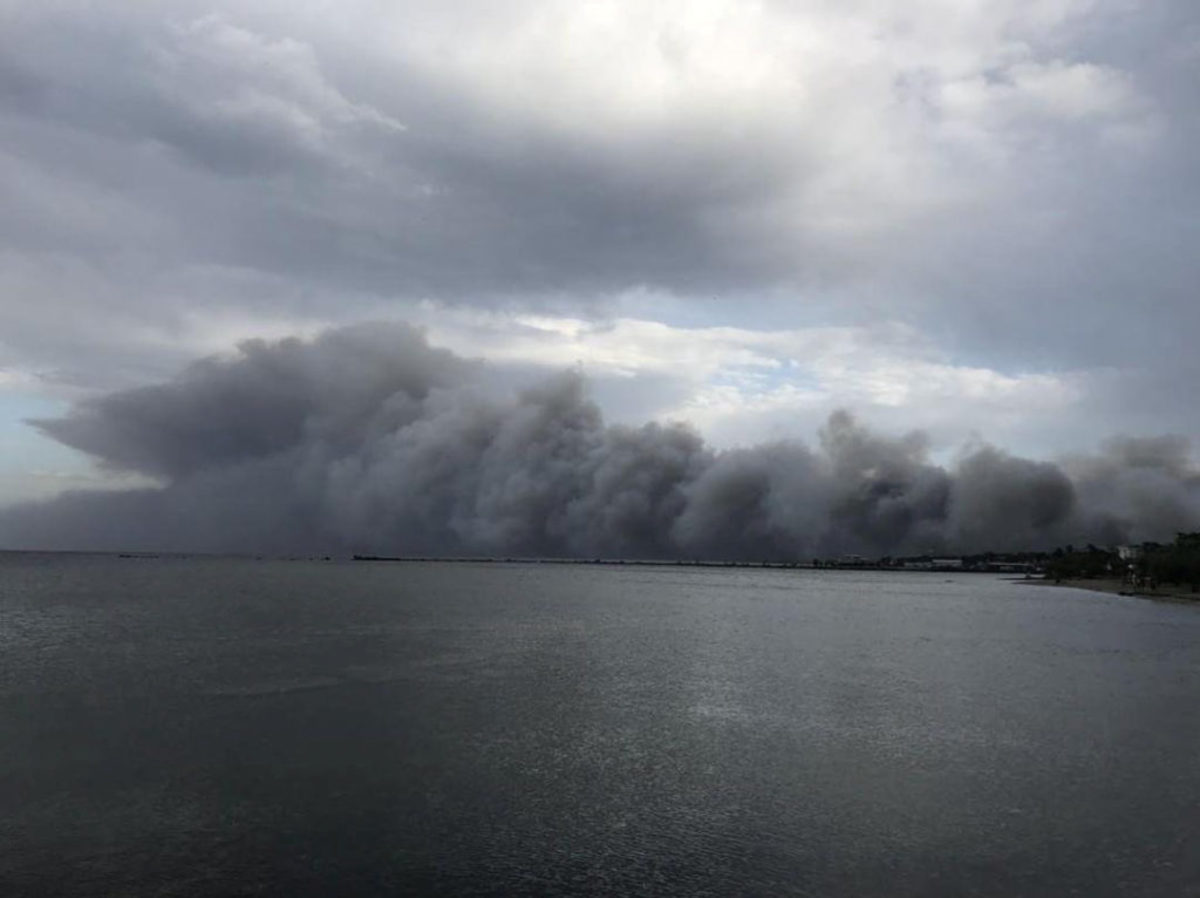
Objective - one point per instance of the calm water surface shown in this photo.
(229, 727)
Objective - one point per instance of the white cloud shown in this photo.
(263, 80)
(741, 385)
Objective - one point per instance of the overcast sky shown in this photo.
(975, 217)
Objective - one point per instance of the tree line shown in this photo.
(1176, 563)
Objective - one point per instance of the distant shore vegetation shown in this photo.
(1144, 566)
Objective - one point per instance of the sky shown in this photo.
(976, 220)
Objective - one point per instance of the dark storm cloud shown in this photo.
(276, 396)
(369, 440)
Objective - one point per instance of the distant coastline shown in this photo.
(823, 565)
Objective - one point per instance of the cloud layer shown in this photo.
(963, 160)
(370, 440)
(968, 216)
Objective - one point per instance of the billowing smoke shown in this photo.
(369, 440)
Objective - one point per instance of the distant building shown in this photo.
(947, 564)
(1012, 567)
(1129, 553)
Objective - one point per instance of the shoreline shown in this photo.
(1112, 586)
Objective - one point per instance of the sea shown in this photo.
(217, 726)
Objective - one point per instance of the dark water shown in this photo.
(192, 727)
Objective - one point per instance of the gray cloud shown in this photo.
(1016, 182)
(367, 439)
(275, 397)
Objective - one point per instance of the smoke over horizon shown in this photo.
(367, 439)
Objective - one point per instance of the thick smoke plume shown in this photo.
(370, 440)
